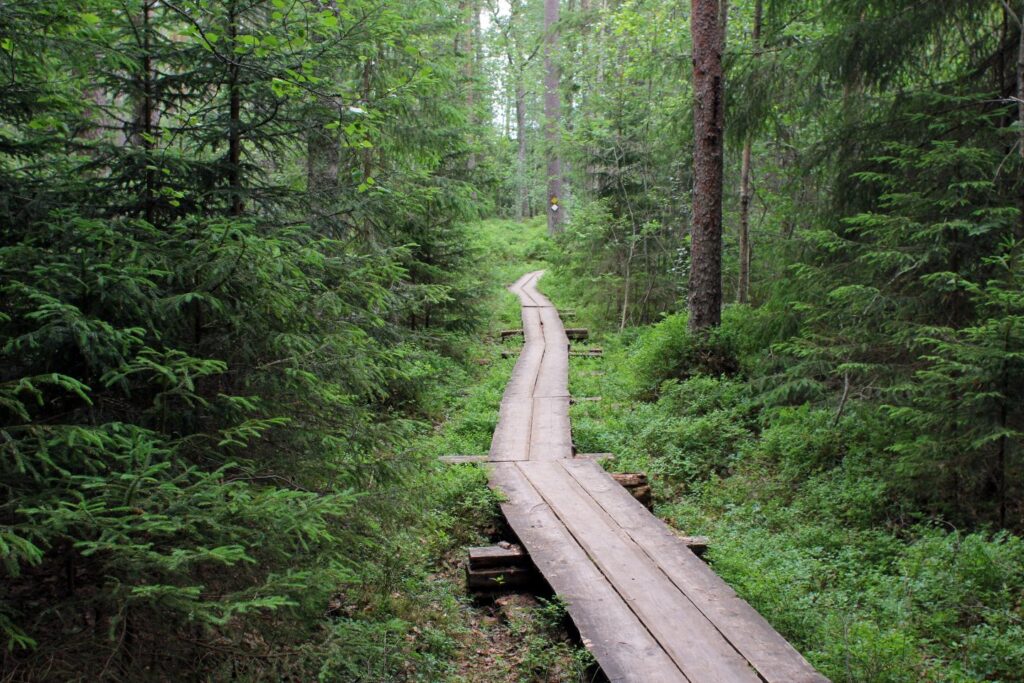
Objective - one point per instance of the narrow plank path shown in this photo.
(647, 608)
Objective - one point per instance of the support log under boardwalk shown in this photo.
(645, 605)
(505, 566)
(462, 459)
(637, 485)
(577, 333)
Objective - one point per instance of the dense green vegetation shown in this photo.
(234, 280)
(807, 516)
(250, 265)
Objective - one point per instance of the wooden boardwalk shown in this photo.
(647, 608)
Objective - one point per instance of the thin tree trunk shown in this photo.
(523, 208)
(1020, 79)
(323, 158)
(517, 68)
(552, 119)
(707, 26)
(143, 128)
(472, 18)
(746, 185)
(234, 121)
(743, 284)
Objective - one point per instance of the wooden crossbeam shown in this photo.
(597, 457)
(500, 555)
(577, 333)
(462, 459)
(636, 484)
(698, 544)
(504, 566)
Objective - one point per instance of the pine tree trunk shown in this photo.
(1020, 79)
(552, 119)
(323, 158)
(523, 208)
(707, 26)
(471, 10)
(234, 121)
(746, 185)
(143, 127)
(517, 68)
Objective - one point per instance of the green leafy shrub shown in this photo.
(668, 350)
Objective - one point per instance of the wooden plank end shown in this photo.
(462, 459)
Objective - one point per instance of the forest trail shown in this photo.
(647, 608)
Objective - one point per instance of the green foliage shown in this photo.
(229, 294)
(668, 350)
(808, 523)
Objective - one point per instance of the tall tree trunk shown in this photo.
(467, 45)
(517, 69)
(234, 120)
(1020, 78)
(553, 119)
(746, 185)
(323, 156)
(522, 186)
(471, 16)
(1020, 111)
(746, 197)
(145, 119)
(707, 26)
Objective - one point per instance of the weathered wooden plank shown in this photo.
(490, 556)
(462, 459)
(698, 545)
(577, 333)
(524, 374)
(609, 628)
(598, 457)
(680, 628)
(629, 479)
(500, 578)
(636, 484)
(767, 651)
(511, 440)
(525, 289)
(553, 377)
(550, 436)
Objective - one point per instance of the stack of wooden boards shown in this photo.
(648, 608)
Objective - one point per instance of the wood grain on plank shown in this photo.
(697, 648)
(609, 629)
(550, 436)
(767, 651)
